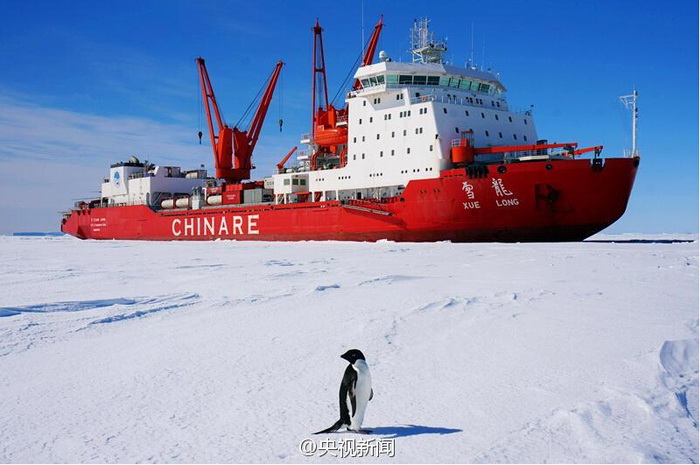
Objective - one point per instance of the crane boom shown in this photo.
(221, 138)
(319, 87)
(244, 151)
(371, 48)
(233, 148)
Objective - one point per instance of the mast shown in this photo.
(424, 47)
(630, 102)
(319, 88)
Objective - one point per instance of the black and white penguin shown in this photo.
(355, 394)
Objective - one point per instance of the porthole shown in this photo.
(502, 169)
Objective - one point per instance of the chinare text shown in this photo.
(215, 226)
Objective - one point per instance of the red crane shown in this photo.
(233, 148)
(371, 48)
(329, 124)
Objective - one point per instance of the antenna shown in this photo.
(471, 55)
(630, 102)
(423, 47)
(362, 27)
(483, 52)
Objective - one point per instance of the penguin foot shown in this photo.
(361, 431)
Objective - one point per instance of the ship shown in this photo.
(421, 150)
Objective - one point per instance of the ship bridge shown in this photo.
(385, 75)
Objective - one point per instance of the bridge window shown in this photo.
(433, 80)
(391, 79)
(404, 79)
(419, 80)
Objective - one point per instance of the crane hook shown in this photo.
(200, 137)
(281, 123)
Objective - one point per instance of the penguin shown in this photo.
(355, 394)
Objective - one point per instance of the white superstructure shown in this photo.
(137, 183)
(401, 125)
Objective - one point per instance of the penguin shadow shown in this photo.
(402, 431)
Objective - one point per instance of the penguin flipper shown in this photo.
(336, 426)
(347, 393)
(371, 393)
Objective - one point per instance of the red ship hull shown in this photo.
(562, 200)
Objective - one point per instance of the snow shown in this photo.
(230, 351)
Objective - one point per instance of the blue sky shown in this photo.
(86, 84)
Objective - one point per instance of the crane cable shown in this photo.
(352, 69)
(254, 101)
(199, 111)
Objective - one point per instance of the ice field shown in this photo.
(230, 351)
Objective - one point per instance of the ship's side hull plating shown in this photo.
(553, 200)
